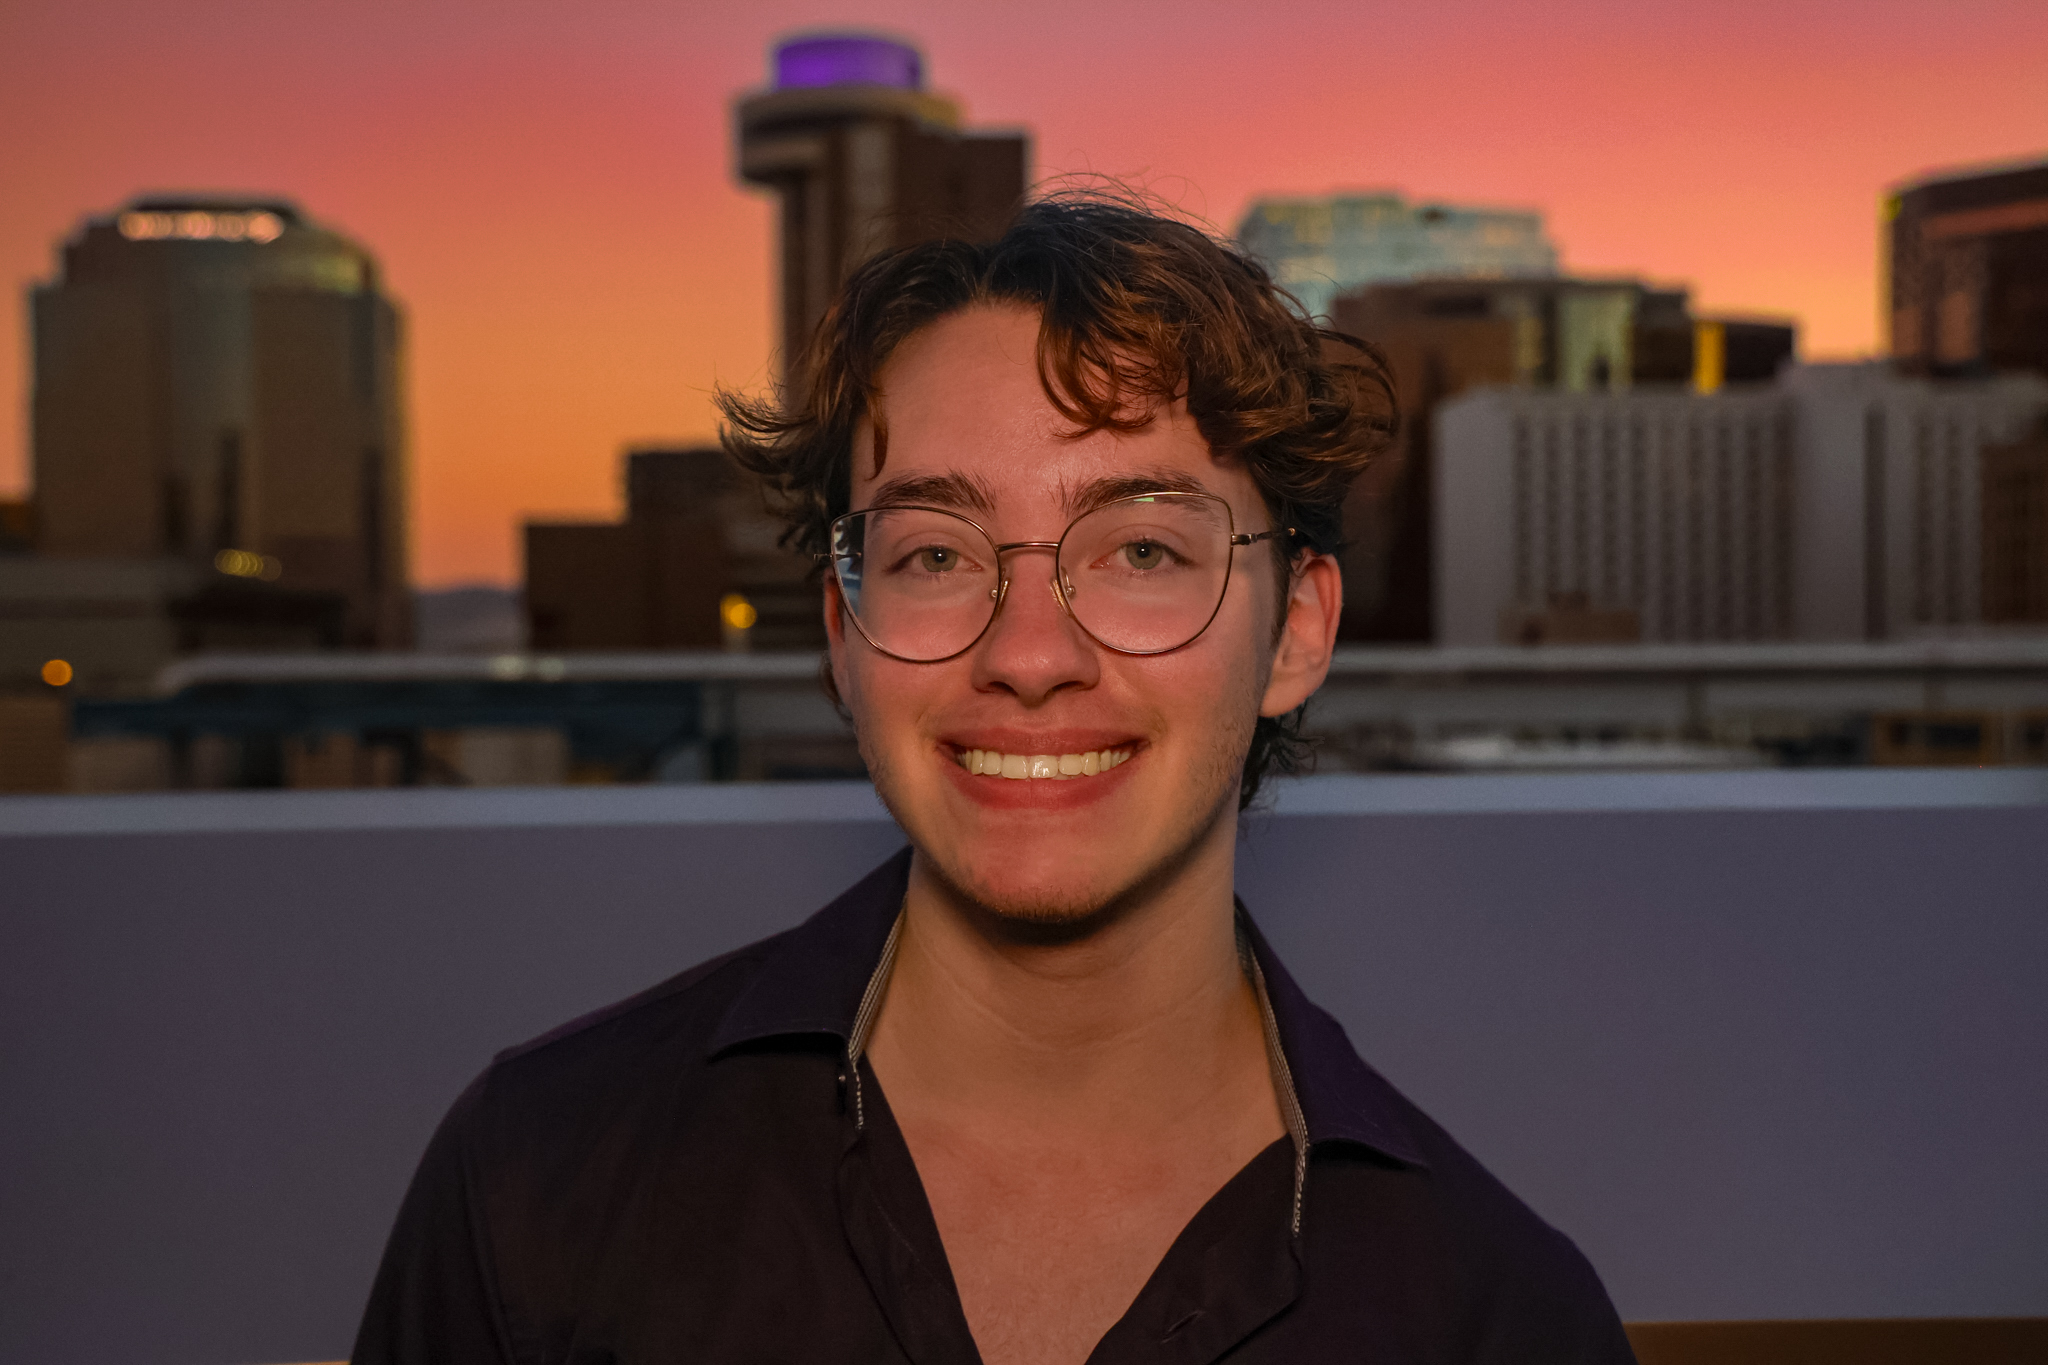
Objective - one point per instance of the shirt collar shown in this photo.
(1342, 1099)
(818, 975)
(815, 975)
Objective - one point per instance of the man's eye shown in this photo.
(1144, 554)
(937, 559)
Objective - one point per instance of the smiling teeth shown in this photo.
(990, 763)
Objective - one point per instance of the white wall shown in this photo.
(1474, 509)
(1765, 1044)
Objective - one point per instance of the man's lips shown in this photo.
(1028, 777)
(1042, 765)
(1026, 754)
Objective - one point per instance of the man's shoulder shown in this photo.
(672, 1013)
(641, 1048)
(1489, 1218)
(635, 1061)
(1492, 1264)
(1382, 1163)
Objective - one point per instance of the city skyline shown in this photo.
(553, 197)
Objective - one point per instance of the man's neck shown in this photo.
(1120, 1026)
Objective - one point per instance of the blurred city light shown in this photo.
(199, 226)
(737, 612)
(248, 564)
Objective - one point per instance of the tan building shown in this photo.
(217, 386)
(696, 564)
(863, 159)
(1842, 503)
(1969, 271)
(1443, 337)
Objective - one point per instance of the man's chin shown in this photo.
(1055, 897)
(1033, 908)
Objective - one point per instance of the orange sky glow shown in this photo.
(548, 186)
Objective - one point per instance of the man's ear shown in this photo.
(1301, 658)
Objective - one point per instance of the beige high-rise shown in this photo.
(217, 382)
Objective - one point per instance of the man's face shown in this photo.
(962, 403)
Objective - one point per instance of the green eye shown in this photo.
(937, 559)
(1144, 554)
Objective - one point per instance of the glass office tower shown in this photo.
(217, 381)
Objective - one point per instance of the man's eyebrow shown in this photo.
(954, 491)
(1100, 492)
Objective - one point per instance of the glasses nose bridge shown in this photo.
(1003, 549)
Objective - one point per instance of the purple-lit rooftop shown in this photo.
(843, 59)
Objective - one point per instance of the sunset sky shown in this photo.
(548, 185)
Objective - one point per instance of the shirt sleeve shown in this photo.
(1555, 1311)
(435, 1300)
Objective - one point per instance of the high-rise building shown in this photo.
(864, 158)
(1969, 271)
(2015, 534)
(1841, 503)
(217, 388)
(1444, 336)
(1318, 248)
(696, 564)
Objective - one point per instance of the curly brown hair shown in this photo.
(1138, 309)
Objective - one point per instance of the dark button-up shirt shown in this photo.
(710, 1172)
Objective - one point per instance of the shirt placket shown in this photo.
(905, 1260)
(888, 1224)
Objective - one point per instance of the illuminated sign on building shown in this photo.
(843, 59)
(202, 225)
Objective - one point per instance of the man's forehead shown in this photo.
(974, 371)
(966, 491)
(961, 420)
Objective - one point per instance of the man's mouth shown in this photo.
(1021, 767)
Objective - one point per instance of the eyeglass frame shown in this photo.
(1001, 592)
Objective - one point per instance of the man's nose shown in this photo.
(1033, 648)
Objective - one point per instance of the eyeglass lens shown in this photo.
(1142, 576)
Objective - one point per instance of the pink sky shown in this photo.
(548, 185)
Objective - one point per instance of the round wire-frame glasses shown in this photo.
(1144, 574)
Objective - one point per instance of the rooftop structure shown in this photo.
(394, 718)
(847, 59)
(1319, 247)
(863, 158)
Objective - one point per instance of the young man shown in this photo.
(1035, 1092)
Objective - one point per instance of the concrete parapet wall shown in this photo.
(1767, 1044)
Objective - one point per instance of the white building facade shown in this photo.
(1841, 503)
